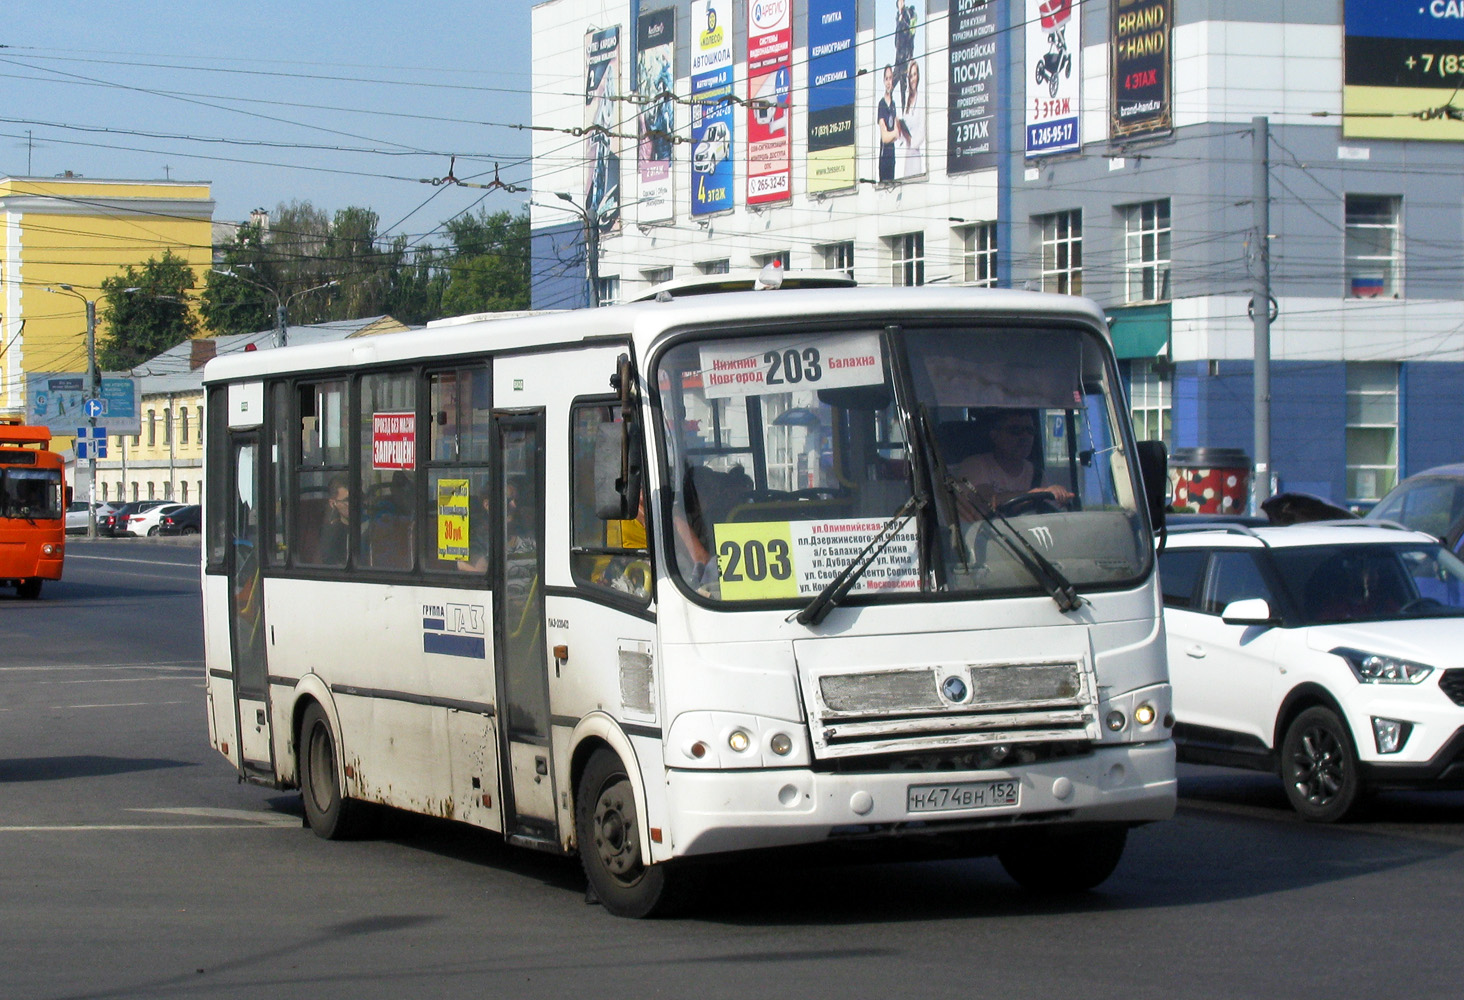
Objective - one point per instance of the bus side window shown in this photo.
(323, 502)
(455, 531)
(604, 555)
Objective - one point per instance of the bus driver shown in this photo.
(1006, 471)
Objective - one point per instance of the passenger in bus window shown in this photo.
(1006, 471)
(479, 525)
(335, 531)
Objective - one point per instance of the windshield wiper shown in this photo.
(1052, 580)
(837, 588)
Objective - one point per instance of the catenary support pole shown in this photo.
(1260, 487)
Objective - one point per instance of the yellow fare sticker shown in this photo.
(755, 559)
(452, 519)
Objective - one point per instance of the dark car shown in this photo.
(114, 524)
(1431, 501)
(187, 521)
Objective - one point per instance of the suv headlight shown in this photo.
(1376, 668)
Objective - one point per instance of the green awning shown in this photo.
(1140, 331)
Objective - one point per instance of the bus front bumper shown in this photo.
(717, 811)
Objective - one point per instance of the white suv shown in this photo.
(1330, 653)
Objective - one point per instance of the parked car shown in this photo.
(1330, 654)
(114, 524)
(77, 518)
(1431, 501)
(188, 521)
(145, 522)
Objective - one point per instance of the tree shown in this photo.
(233, 302)
(488, 266)
(146, 311)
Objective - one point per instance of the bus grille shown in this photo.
(951, 705)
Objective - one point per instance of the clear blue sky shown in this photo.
(326, 102)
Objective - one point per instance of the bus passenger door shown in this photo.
(246, 607)
(522, 662)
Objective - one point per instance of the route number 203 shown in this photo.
(755, 561)
(792, 366)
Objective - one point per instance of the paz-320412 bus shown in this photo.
(662, 581)
(32, 509)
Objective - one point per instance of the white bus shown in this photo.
(663, 581)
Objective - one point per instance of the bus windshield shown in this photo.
(30, 493)
(789, 454)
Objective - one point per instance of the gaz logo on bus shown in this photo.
(455, 630)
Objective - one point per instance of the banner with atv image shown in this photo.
(1054, 77)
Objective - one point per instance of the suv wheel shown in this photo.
(1319, 766)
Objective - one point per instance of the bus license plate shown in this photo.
(967, 795)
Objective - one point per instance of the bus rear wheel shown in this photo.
(29, 590)
(609, 832)
(1056, 861)
(330, 814)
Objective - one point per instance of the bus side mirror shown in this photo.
(617, 459)
(1154, 470)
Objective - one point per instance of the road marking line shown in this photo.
(160, 664)
(80, 828)
(216, 812)
(127, 704)
(149, 562)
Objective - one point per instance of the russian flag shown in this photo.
(1367, 286)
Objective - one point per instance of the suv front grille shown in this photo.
(1452, 684)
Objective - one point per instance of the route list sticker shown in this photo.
(783, 364)
(771, 560)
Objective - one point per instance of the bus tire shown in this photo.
(1058, 861)
(609, 831)
(330, 814)
(29, 589)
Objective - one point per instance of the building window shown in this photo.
(838, 257)
(1146, 251)
(1062, 252)
(978, 255)
(714, 266)
(1372, 429)
(658, 275)
(907, 259)
(184, 487)
(104, 493)
(168, 490)
(135, 497)
(167, 427)
(780, 257)
(152, 428)
(1150, 401)
(607, 291)
(1374, 246)
(183, 425)
(152, 490)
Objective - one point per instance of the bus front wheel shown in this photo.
(330, 814)
(28, 590)
(1058, 860)
(610, 832)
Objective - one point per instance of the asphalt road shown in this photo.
(135, 866)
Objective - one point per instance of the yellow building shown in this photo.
(79, 231)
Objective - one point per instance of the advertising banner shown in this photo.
(899, 89)
(832, 25)
(712, 121)
(57, 401)
(972, 102)
(1402, 69)
(1140, 70)
(1054, 77)
(655, 82)
(452, 519)
(769, 89)
(602, 119)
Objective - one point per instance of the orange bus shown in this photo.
(32, 509)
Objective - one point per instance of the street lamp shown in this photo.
(591, 222)
(282, 305)
(91, 394)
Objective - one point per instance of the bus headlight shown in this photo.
(1144, 714)
(781, 744)
(49, 549)
(739, 741)
(1116, 720)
